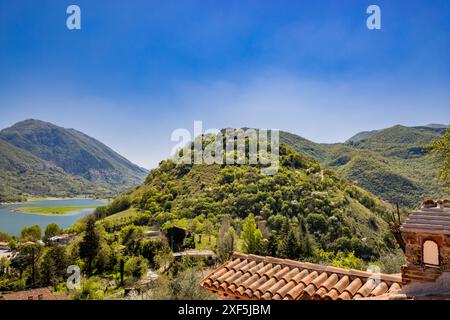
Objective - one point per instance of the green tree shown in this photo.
(33, 253)
(272, 245)
(183, 286)
(32, 233)
(226, 241)
(317, 223)
(4, 265)
(251, 235)
(164, 258)
(289, 245)
(347, 261)
(51, 230)
(136, 267)
(132, 237)
(4, 237)
(105, 259)
(208, 227)
(441, 150)
(90, 244)
(307, 247)
(54, 266)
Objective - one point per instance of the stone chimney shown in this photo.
(426, 233)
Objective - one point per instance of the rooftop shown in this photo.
(195, 253)
(433, 217)
(266, 278)
(61, 237)
(33, 294)
(4, 244)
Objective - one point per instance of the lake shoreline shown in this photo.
(12, 221)
(59, 211)
(32, 199)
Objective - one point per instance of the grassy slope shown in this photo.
(127, 214)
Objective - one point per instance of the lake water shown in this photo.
(13, 222)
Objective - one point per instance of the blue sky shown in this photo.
(136, 72)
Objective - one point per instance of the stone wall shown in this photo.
(414, 243)
(441, 286)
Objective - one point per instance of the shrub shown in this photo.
(136, 267)
(317, 222)
(32, 233)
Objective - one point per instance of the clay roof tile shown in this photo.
(366, 289)
(256, 277)
(351, 289)
(315, 284)
(380, 289)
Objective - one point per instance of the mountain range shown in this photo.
(41, 159)
(391, 163)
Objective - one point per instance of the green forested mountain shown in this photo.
(338, 215)
(391, 163)
(67, 153)
(21, 174)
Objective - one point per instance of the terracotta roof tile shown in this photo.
(326, 286)
(395, 287)
(315, 284)
(366, 289)
(380, 289)
(264, 278)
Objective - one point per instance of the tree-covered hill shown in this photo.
(392, 163)
(335, 214)
(23, 174)
(73, 153)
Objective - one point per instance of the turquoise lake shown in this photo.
(13, 222)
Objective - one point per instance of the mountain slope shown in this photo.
(391, 163)
(75, 153)
(332, 207)
(21, 174)
(361, 136)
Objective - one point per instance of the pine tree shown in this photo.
(90, 245)
(272, 246)
(290, 242)
(306, 243)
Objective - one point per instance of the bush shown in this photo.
(32, 233)
(118, 205)
(4, 237)
(91, 289)
(136, 267)
(317, 223)
(184, 286)
(347, 261)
